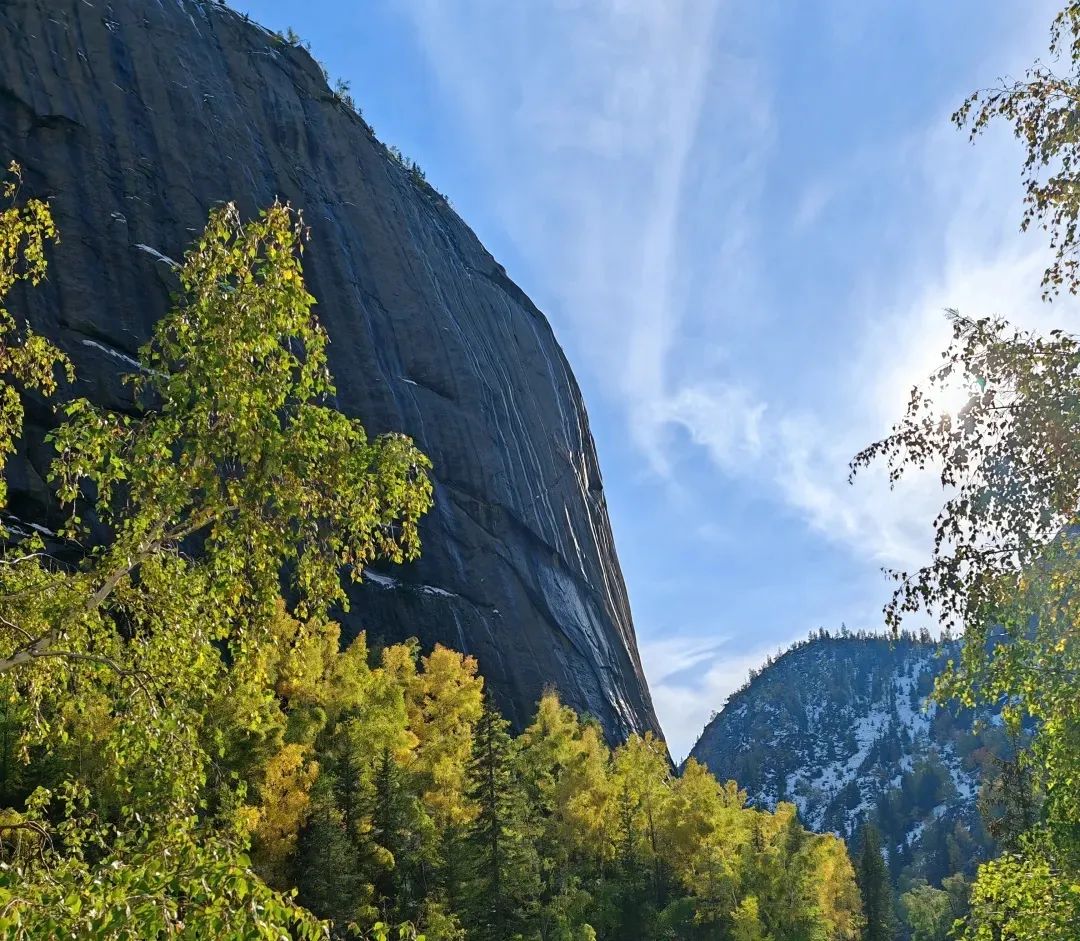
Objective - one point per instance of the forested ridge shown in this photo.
(844, 726)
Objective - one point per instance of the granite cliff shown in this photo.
(137, 116)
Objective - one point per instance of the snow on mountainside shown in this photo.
(841, 726)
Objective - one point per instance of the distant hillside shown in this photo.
(840, 725)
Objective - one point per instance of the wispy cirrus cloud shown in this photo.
(725, 420)
(600, 108)
(799, 451)
(976, 261)
(691, 677)
(748, 254)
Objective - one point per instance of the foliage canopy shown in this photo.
(1007, 540)
(182, 754)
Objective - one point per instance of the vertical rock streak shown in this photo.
(137, 116)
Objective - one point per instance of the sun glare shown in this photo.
(952, 397)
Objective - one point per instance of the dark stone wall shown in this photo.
(137, 116)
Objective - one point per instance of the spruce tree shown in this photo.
(327, 870)
(396, 828)
(873, 878)
(494, 897)
(631, 878)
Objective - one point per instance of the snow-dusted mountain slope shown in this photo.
(842, 727)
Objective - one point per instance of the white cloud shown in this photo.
(889, 527)
(812, 203)
(643, 226)
(984, 267)
(691, 677)
(726, 420)
(970, 257)
(598, 107)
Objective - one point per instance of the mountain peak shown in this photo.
(843, 727)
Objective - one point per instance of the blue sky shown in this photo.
(744, 222)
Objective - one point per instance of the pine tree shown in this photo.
(327, 865)
(397, 829)
(873, 878)
(1008, 801)
(494, 898)
(631, 879)
(388, 831)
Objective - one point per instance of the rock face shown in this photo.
(841, 726)
(137, 116)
